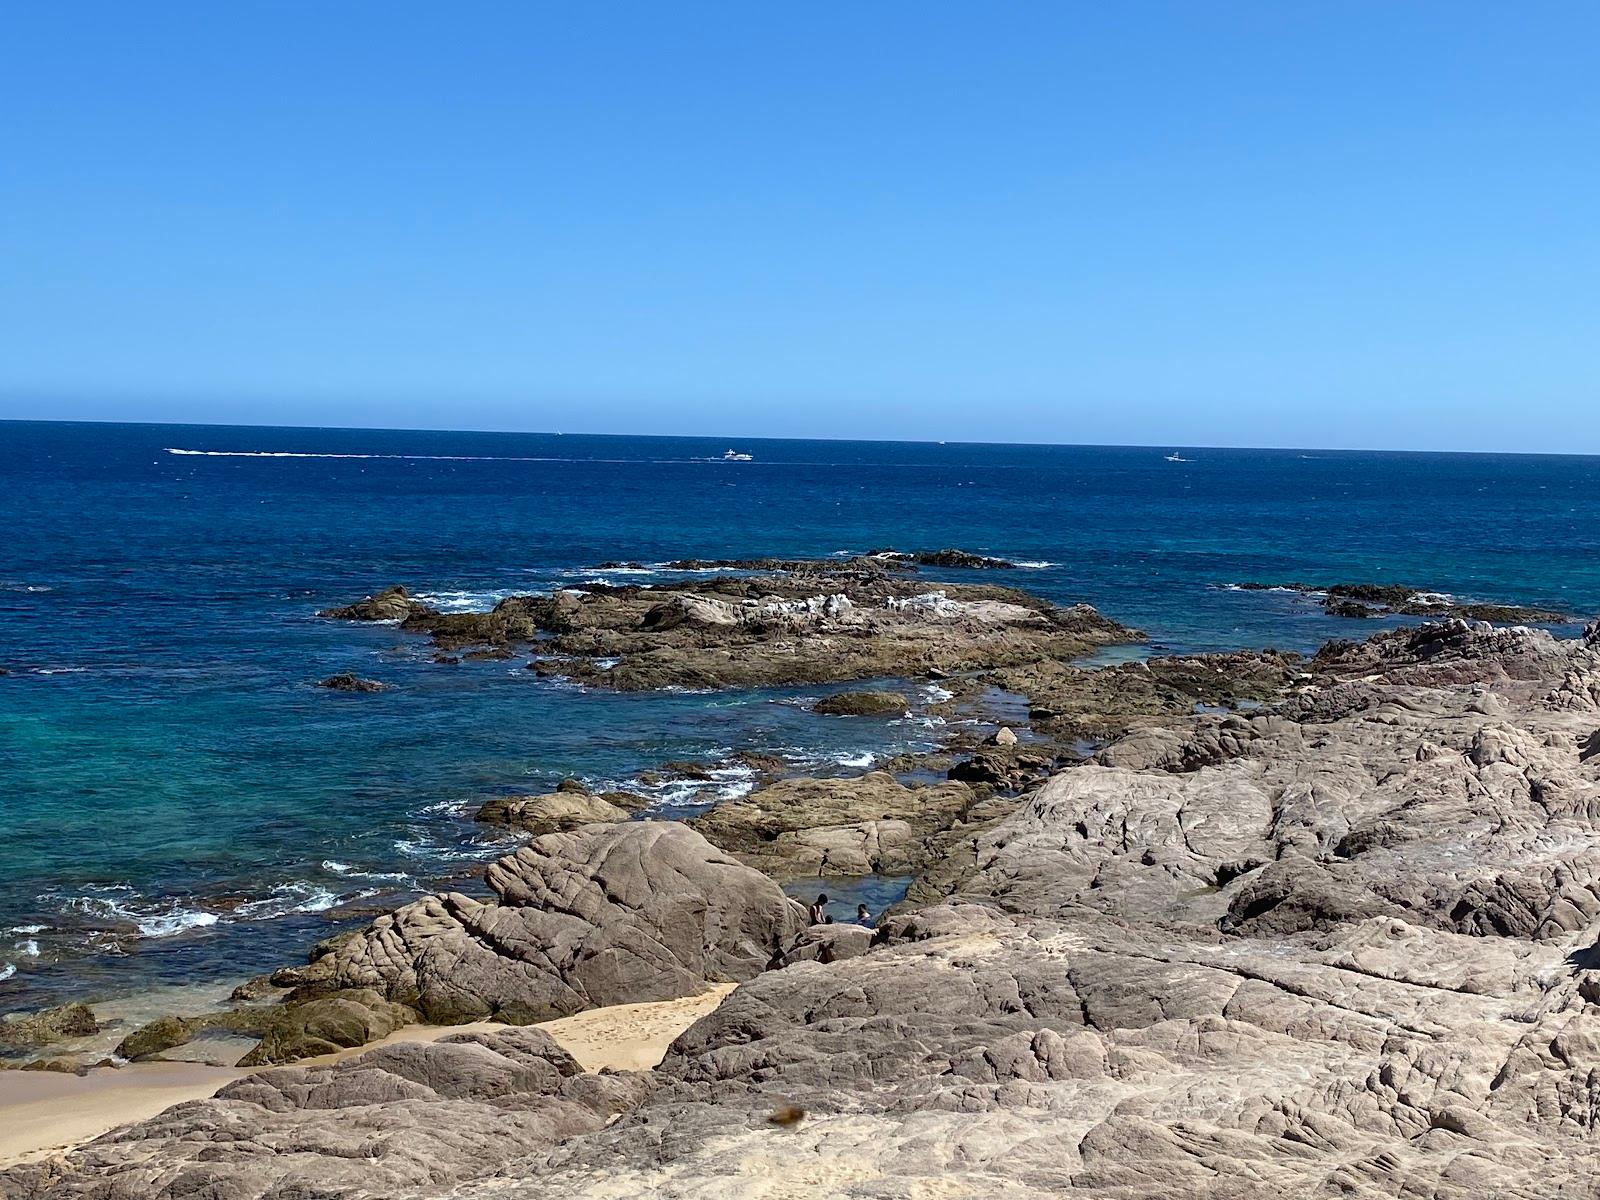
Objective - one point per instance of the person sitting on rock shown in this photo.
(863, 917)
(818, 912)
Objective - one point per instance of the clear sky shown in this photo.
(1285, 223)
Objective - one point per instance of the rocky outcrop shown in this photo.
(1444, 653)
(391, 604)
(799, 828)
(605, 914)
(950, 557)
(559, 810)
(1348, 946)
(403, 1120)
(1392, 599)
(980, 1054)
(287, 1032)
(23, 1031)
(812, 626)
(1005, 765)
(1069, 702)
(347, 682)
(862, 704)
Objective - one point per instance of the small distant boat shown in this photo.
(1176, 457)
(735, 456)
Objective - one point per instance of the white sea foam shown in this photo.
(288, 899)
(174, 921)
(856, 760)
(414, 457)
(339, 868)
(27, 929)
(172, 918)
(1038, 564)
(7, 970)
(29, 948)
(466, 600)
(937, 694)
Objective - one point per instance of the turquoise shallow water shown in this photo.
(181, 803)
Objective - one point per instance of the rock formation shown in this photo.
(47, 1026)
(812, 626)
(1345, 946)
(348, 682)
(400, 1120)
(862, 704)
(605, 914)
(815, 827)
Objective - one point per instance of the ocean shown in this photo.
(182, 804)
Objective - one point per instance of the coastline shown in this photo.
(43, 1113)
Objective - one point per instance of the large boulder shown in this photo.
(559, 810)
(604, 914)
(391, 604)
(28, 1030)
(868, 825)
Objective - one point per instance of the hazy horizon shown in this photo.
(756, 438)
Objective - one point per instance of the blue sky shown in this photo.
(1334, 224)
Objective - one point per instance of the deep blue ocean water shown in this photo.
(181, 803)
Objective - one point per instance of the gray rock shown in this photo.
(1347, 949)
(868, 825)
(560, 810)
(406, 1119)
(605, 914)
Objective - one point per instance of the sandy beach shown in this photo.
(42, 1112)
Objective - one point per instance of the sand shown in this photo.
(42, 1112)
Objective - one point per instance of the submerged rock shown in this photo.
(1363, 600)
(862, 704)
(951, 557)
(347, 682)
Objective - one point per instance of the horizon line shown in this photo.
(710, 437)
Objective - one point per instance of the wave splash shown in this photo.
(179, 450)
